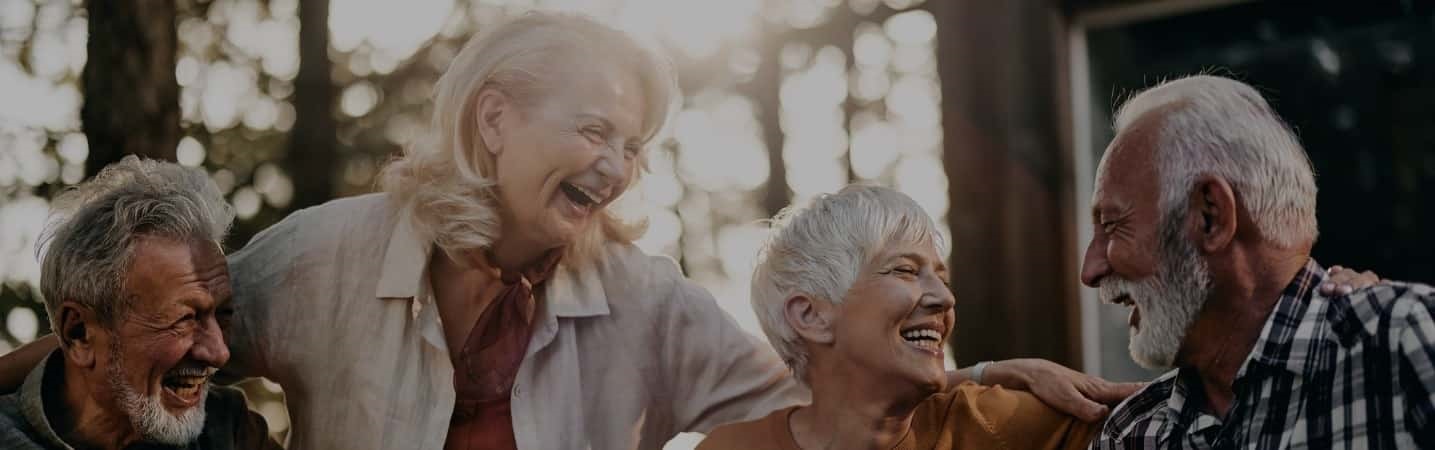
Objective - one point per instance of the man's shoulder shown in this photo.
(1141, 409)
(15, 432)
(10, 411)
(230, 424)
(1388, 306)
(226, 400)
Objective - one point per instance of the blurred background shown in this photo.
(991, 113)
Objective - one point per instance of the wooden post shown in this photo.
(1002, 71)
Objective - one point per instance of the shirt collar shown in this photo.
(1293, 316)
(1181, 404)
(32, 398)
(576, 292)
(573, 290)
(405, 261)
(1274, 349)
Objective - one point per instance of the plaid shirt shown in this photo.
(1351, 371)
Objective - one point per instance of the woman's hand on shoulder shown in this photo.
(1086, 397)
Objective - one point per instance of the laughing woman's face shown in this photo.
(565, 157)
(897, 317)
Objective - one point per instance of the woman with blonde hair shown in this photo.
(488, 299)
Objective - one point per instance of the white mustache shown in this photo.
(1112, 288)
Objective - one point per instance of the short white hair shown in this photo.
(820, 250)
(1219, 126)
(445, 179)
(87, 246)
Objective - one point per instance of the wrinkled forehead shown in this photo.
(614, 93)
(164, 269)
(1130, 158)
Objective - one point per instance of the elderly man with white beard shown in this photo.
(1205, 206)
(131, 276)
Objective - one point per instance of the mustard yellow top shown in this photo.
(969, 417)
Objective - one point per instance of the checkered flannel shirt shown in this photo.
(1352, 371)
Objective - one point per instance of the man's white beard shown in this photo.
(1169, 301)
(149, 417)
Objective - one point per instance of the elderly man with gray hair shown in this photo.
(131, 276)
(1205, 212)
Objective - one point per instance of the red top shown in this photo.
(484, 370)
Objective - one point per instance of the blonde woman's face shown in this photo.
(568, 155)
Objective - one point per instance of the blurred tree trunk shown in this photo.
(764, 88)
(131, 102)
(1010, 181)
(312, 157)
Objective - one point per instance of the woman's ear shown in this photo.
(810, 318)
(492, 108)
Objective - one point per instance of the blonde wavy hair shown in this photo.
(444, 181)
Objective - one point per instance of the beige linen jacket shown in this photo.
(333, 304)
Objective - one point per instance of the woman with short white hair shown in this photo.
(488, 298)
(853, 294)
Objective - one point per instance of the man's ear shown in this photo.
(79, 328)
(492, 107)
(810, 318)
(1213, 213)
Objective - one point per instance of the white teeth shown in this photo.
(592, 196)
(923, 333)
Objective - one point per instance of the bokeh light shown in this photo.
(855, 105)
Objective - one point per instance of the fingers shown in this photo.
(1092, 412)
(1093, 395)
(1344, 281)
(1336, 288)
(1112, 393)
(1078, 405)
(1339, 281)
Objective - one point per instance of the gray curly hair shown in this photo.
(86, 246)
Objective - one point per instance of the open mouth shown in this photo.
(924, 337)
(1123, 300)
(583, 197)
(1134, 319)
(187, 388)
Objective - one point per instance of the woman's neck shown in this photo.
(847, 413)
(516, 253)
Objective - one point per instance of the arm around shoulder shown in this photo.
(261, 274)
(16, 365)
(717, 373)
